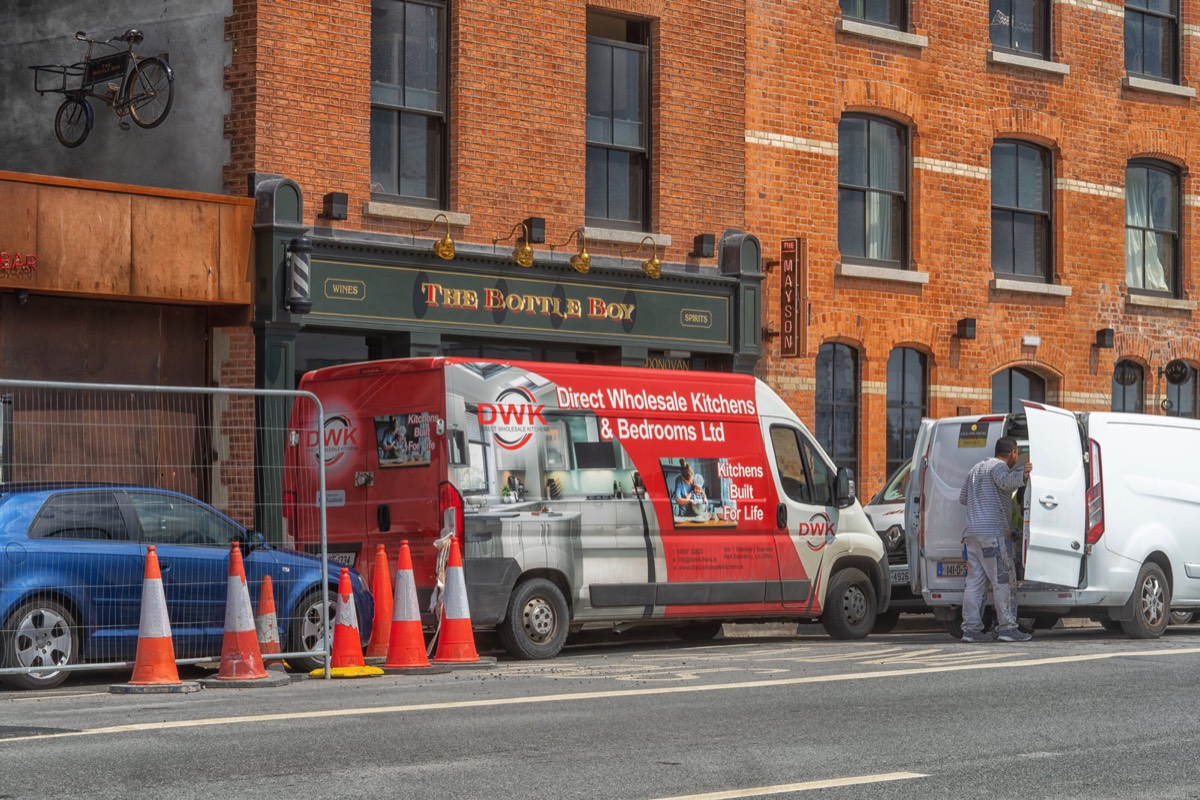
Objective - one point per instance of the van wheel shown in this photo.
(1181, 617)
(849, 605)
(886, 622)
(1151, 604)
(537, 621)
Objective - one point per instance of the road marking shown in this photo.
(761, 791)
(603, 695)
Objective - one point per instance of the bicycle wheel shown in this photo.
(73, 122)
(149, 90)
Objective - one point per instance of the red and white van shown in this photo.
(573, 491)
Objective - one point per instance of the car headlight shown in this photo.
(893, 537)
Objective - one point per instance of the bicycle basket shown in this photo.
(105, 68)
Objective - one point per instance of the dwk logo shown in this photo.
(819, 525)
(340, 439)
(513, 418)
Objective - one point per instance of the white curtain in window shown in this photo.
(884, 154)
(1144, 268)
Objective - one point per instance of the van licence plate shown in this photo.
(900, 576)
(951, 569)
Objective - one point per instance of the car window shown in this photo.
(171, 519)
(790, 464)
(820, 475)
(80, 515)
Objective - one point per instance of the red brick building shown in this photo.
(1022, 168)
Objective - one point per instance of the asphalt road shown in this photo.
(1077, 713)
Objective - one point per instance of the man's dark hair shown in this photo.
(1005, 445)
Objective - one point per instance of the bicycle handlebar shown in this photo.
(131, 37)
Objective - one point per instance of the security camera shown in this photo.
(22, 296)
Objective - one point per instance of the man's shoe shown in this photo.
(1016, 636)
(976, 638)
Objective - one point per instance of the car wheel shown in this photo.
(1181, 617)
(536, 624)
(306, 629)
(886, 622)
(1151, 604)
(698, 631)
(849, 605)
(40, 633)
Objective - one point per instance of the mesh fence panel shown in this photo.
(92, 475)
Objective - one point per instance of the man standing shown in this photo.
(987, 543)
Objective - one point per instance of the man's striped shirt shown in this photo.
(987, 494)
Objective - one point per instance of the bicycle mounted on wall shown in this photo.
(127, 83)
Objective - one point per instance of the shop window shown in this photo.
(1021, 26)
(1128, 387)
(1181, 398)
(872, 191)
(1021, 199)
(1152, 39)
(837, 403)
(1011, 386)
(618, 122)
(907, 403)
(892, 13)
(408, 101)
(1151, 228)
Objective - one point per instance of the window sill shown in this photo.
(882, 274)
(1150, 301)
(618, 236)
(879, 33)
(1029, 287)
(1028, 62)
(1156, 87)
(376, 208)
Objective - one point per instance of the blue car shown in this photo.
(72, 563)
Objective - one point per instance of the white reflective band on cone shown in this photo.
(154, 623)
(456, 595)
(238, 614)
(407, 609)
(345, 612)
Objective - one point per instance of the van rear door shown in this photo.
(913, 517)
(1058, 505)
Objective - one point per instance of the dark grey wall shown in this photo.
(187, 151)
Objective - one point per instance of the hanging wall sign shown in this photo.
(792, 290)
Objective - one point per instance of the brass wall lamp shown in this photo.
(651, 266)
(522, 253)
(581, 261)
(443, 248)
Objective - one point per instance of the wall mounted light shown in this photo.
(651, 266)
(581, 261)
(704, 245)
(1104, 338)
(522, 254)
(298, 294)
(966, 328)
(443, 248)
(335, 205)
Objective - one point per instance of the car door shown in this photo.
(1057, 491)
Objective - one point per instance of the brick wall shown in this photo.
(802, 76)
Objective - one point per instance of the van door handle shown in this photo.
(1048, 500)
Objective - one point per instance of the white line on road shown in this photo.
(762, 791)
(576, 697)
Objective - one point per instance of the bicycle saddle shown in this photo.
(133, 36)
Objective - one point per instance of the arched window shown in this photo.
(1011, 386)
(1181, 396)
(1152, 228)
(907, 402)
(1022, 194)
(1128, 387)
(837, 403)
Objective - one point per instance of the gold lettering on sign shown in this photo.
(693, 318)
(792, 325)
(341, 289)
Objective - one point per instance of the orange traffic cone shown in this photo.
(241, 660)
(154, 664)
(266, 625)
(381, 588)
(347, 657)
(456, 642)
(406, 645)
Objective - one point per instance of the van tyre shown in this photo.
(849, 605)
(537, 621)
(39, 633)
(698, 631)
(1151, 604)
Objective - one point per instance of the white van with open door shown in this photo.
(1111, 515)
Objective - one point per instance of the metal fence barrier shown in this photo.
(91, 475)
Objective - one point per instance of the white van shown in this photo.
(1111, 515)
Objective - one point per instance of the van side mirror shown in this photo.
(844, 495)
